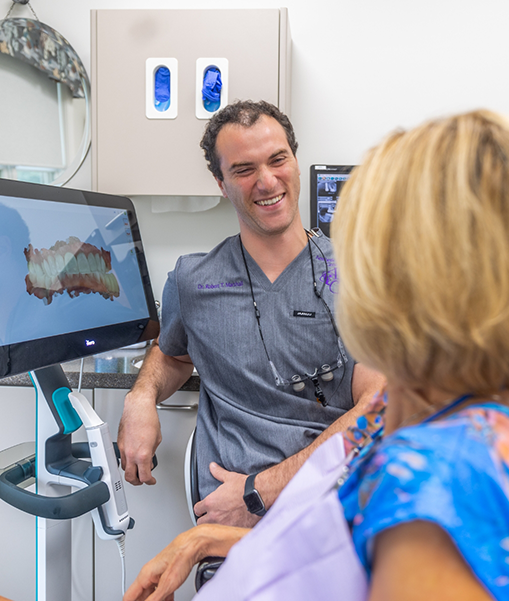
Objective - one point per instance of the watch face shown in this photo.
(253, 502)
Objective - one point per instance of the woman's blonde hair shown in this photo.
(421, 234)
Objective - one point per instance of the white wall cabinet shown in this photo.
(136, 155)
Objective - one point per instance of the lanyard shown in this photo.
(448, 407)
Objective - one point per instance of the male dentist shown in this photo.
(255, 317)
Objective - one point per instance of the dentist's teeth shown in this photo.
(270, 201)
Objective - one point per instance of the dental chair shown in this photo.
(191, 476)
(209, 565)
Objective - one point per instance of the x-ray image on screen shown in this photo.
(326, 183)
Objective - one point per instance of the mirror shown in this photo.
(44, 104)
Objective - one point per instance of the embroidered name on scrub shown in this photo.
(220, 285)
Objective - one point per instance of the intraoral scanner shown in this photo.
(59, 466)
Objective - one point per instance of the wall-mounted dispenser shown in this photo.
(211, 86)
(159, 158)
(161, 88)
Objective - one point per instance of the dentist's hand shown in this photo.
(226, 504)
(139, 435)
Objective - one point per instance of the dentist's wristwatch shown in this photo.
(252, 498)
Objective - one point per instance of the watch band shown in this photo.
(252, 497)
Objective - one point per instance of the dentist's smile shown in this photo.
(269, 202)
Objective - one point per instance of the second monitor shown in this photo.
(326, 182)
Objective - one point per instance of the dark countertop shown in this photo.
(115, 369)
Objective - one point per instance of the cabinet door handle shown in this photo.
(163, 406)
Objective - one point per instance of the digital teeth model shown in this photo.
(73, 266)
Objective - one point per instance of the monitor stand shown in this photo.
(53, 537)
(58, 467)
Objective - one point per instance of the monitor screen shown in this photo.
(74, 276)
(326, 182)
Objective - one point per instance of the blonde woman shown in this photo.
(422, 244)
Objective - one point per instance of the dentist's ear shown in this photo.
(221, 187)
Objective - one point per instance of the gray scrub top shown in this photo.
(245, 422)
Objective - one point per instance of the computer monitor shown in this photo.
(326, 182)
(73, 276)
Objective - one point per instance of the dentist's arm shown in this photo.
(365, 384)
(226, 505)
(139, 432)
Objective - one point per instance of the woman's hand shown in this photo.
(164, 574)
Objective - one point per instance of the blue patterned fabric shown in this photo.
(454, 473)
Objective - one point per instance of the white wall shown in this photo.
(360, 69)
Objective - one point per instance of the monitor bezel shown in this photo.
(27, 356)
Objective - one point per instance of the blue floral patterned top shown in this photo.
(453, 472)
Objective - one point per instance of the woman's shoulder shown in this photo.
(457, 438)
(452, 472)
(470, 445)
(424, 466)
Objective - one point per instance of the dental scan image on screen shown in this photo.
(328, 189)
(64, 268)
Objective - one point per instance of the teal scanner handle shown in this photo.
(53, 508)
